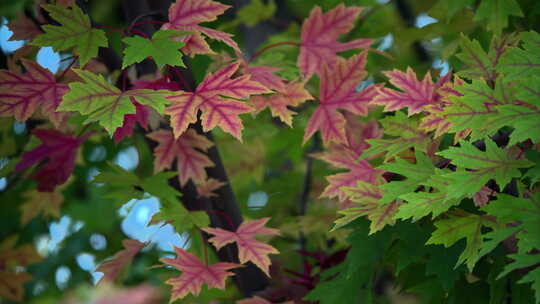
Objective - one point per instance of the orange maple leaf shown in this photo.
(187, 149)
(207, 187)
(338, 92)
(186, 15)
(292, 94)
(249, 249)
(216, 110)
(112, 268)
(320, 31)
(195, 273)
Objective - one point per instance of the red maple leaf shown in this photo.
(320, 31)
(186, 15)
(216, 110)
(58, 150)
(195, 273)
(112, 268)
(249, 249)
(187, 149)
(22, 94)
(338, 91)
(345, 156)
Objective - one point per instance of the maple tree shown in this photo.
(292, 152)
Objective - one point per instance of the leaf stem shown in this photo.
(271, 46)
(68, 67)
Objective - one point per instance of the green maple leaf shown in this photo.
(455, 228)
(162, 48)
(477, 62)
(415, 174)
(75, 32)
(405, 135)
(178, 216)
(494, 163)
(496, 12)
(105, 103)
(520, 63)
(523, 261)
(255, 12)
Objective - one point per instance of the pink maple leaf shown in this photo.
(249, 249)
(415, 94)
(207, 187)
(345, 156)
(265, 76)
(195, 273)
(209, 98)
(293, 94)
(58, 150)
(112, 268)
(187, 149)
(186, 15)
(320, 31)
(338, 91)
(258, 300)
(22, 94)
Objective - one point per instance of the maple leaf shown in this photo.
(103, 102)
(22, 94)
(494, 163)
(174, 213)
(187, 149)
(23, 28)
(338, 91)
(265, 76)
(162, 48)
(346, 155)
(522, 63)
(207, 188)
(249, 249)
(292, 95)
(195, 273)
(415, 174)
(449, 231)
(126, 130)
(415, 96)
(112, 268)
(497, 12)
(37, 202)
(75, 32)
(185, 15)
(59, 151)
(403, 134)
(320, 31)
(216, 110)
(12, 259)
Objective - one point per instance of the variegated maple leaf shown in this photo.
(345, 156)
(195, 273)
(187, 149)
(216, 110)
(249, 249)
(320, 31)
(338, 92)
(101, 101)
(292, 94)
(22, 94)
(113, 267)
(59, 151)
(415, 94)
(186, 15)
